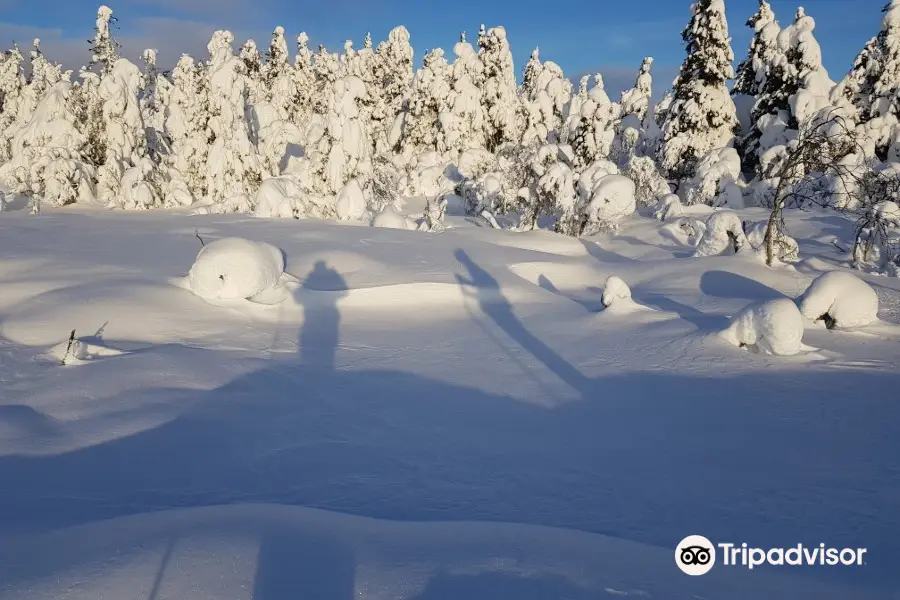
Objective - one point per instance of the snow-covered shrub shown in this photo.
(669, 207)
(235, 268)
(612, 201)
(433, 220)
(649, 183)
(786, 247)
(390, 218)
(773, 327)
(615, 291)
(688, 229)
(552, 190)
(841, 300)
(281, 197)
(724, 232)
(351, 202)
(716, 173)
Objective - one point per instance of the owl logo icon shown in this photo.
(695, 555)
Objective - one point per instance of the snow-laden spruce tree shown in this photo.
(499, 97)
(186, 124)
(545, 93)
(233, 170)
(873, 85)
(45, 153)
(154, 97)
(300, 109)
(279, 82)
(467, 127)
(392, 74)
(104, 48)
(12, 84)
(252, 72)
(592, 137)
(702, 116)
(635, 105)
(429, 107)
(751, 73)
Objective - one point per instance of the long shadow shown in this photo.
(482, 586)
(495, 305)
(320, 334)
(700, 319)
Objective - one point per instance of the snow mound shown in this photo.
(840, 299)
(351, 202)
(234, 269)
(786, 248)
(724, 231)
(773, 327)
(669, 207)
(389, 218)
(613, 199)
(616, 292)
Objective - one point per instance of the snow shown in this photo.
(235, 268)
(773, 327)
(615, 292)
(450, 415)
(842, 300)
(390, 218)
(351, 203)
(724, 233)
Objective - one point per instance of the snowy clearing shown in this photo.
(484, 427)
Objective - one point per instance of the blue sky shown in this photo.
(581, 35)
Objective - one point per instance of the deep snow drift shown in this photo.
(427, 416)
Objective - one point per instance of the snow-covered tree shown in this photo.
(233, 170)
(544, 94)
(635, 105)
(154, 97)
(751, 73)
(702, 116)
(392, 75)
(279, 82)
(593, 134)
(12, 83)
(104, 49)
(467, 127)
(429, 108)
(186, 124)
(300, 109)
(499, 95)
(252, 72)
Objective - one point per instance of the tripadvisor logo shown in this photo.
(696, 555)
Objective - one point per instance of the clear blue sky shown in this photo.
(581, 35)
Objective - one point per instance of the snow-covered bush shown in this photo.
(841, 300)
(611, 202)
(669, 207)
(615, 292)
(773, 327)
(433, 220)
(649, 183)
(724, 232)
(786, 247)
(351, 203)
(390, 218)
(235, 268)
(715, 179)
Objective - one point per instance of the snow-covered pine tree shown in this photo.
(544, 95)
(278, 78)
(592, 138)
(12, 85)
(751, 72)
(300, 110)
(233, 170)
(466, 129)
(855, 92)
(499, 97)
(390, 89)
(104, 49)
(253, 72)
(635, 105)
(154, 96)
(186, 124)
(429, 107)
(702, 116)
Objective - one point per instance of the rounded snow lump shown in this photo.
(773, 327)
(615, 290)
(840, 299)
(235, 268)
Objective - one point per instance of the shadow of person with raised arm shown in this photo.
(495, 305)
(320, 335)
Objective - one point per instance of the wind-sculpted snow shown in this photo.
(364, 436)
